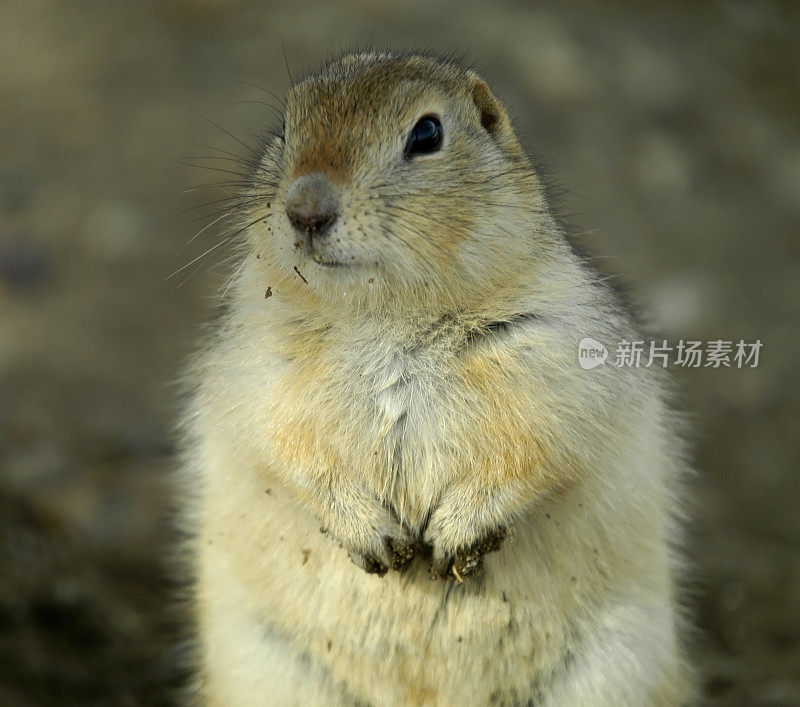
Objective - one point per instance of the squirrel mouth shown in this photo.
(310, 246)
(327, 262)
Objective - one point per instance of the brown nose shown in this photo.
(312, 204)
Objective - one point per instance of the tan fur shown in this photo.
(414, 377)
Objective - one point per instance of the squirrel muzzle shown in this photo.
(312, 205)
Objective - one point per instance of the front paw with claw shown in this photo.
(467, 560)
(395, 554)
(368, 531)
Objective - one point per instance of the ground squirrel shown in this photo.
(406, 489)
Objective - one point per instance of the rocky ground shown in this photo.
(671, 129)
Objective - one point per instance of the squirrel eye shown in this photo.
(426, 137)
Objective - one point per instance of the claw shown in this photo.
(400, 552)
(468, 562)
(374, 566)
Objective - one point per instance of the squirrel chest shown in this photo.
(406, 421)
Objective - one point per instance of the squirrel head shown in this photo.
(396, 176)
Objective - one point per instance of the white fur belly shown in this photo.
(407, 638)
(394, 395)
(394, 640)
(409, 440)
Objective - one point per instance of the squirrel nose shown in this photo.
(312, 204)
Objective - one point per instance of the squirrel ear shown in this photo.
(493, 116)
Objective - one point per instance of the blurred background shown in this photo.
(671, 129)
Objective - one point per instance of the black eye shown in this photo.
(426, 137)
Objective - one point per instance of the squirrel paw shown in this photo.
(369, 532)
(466, 561)
(396, 554)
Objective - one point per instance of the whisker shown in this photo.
(265, 90)
(210, 169)
(232, 278)
(206, 227)
(189, 276)
(228, 239)
(235, 200)
(194, 260)
(219, 149)
(227, 132)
